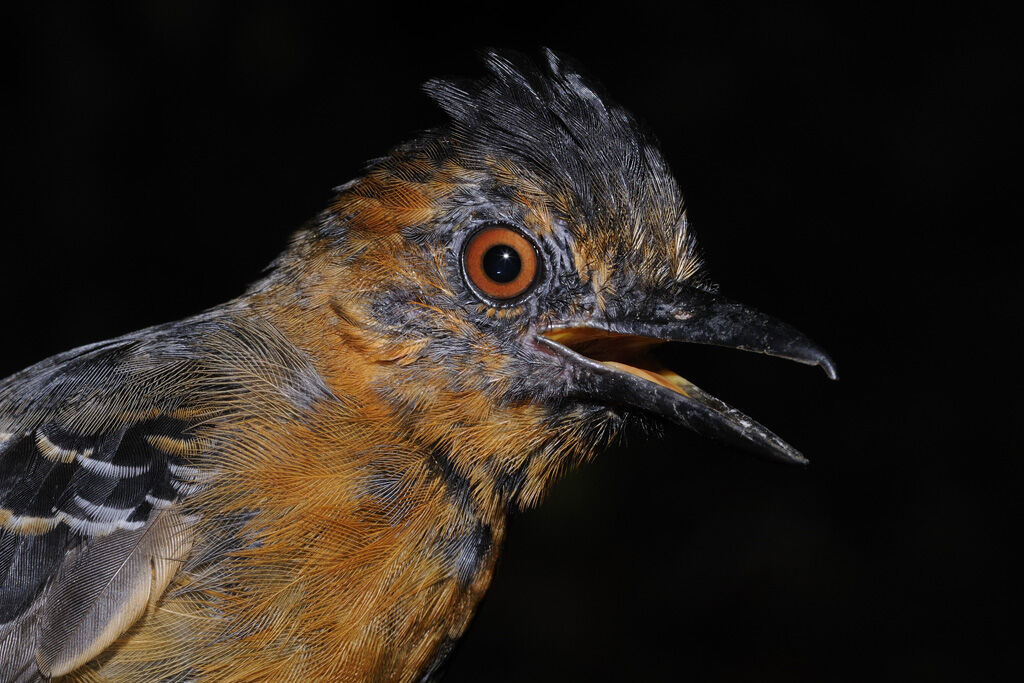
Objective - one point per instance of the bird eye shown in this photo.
(500, 262)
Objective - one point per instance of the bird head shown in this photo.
(502, 283)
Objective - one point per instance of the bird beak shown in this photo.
(611, 360)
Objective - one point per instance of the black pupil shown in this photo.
(501, 263)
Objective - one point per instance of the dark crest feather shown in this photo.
(552, 123)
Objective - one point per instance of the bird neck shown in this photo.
(498, 456)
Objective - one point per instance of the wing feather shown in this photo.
(104, 586)
(93, 466)
(100, 451)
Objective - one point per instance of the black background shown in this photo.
(847, 169)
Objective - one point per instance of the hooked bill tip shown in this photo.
(829, 366)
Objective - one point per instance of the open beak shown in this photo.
(613, 362)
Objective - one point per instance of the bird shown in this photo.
(313, 481)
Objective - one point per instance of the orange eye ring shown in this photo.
(500, 263)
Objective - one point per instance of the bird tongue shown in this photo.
(662, 376)
(648, 375)
(629, 353)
